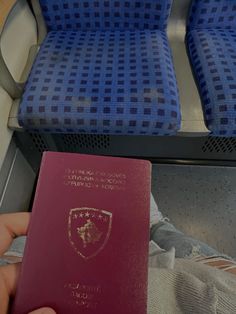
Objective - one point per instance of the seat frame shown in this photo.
(190, 146)
(192, 115)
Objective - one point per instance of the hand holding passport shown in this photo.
(87, 247)
(11, 226)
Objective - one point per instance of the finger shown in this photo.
(12, 226)
(10, 275)
(4, 299)
(44, 310)
(8, 281)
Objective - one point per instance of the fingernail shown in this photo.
(44, 310)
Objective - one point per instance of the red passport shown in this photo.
(87, 246)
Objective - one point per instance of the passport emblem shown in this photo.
(89, 230)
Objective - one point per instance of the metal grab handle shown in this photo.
(41, 25)
(7, 81)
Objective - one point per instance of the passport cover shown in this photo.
(87, 246)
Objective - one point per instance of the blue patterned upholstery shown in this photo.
(116, 82)
(100, 15)
(211, 41)
(212, 14)
(105, 67)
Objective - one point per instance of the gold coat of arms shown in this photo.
(89, 230)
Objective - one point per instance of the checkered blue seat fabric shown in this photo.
(116, 82)
(106, 14)
(212, 14)
(103, 81)
(211, 41)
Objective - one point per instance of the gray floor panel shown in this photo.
(201, 201)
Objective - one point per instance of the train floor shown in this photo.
(199, 200)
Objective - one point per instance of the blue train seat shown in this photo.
(105, 67)
(211, 41)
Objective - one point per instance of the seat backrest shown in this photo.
(106, 14)
(206, 14)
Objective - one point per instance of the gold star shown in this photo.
(81, 215)
(87, 214)
(75, 216)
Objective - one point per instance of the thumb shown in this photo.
(45, 310)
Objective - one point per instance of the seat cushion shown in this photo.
(114, 82)
(213, 57)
